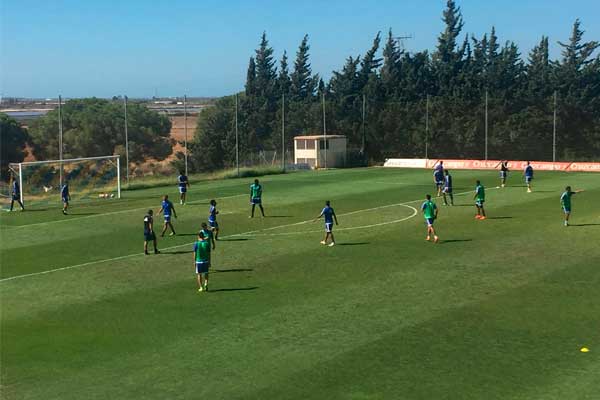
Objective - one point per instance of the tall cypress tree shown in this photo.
(265, 68)
(251, 78)
(283, 80)
(302, 85)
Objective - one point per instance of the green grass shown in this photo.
(498, 310)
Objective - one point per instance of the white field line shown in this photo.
(111, 213)
(414, 213)
(191, 243)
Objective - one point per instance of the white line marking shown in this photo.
(112, 213)
(189, 244)
(414, 213)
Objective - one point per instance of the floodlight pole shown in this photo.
(554, 131)
(185, 154)
(237, 147)
(486, 125)
(126, 141)
(426, 126)
(283, 132)
(324, 130)
(60, 140)
(364, 133)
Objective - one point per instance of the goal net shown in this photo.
(90, 178)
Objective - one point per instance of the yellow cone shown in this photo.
(584, 350)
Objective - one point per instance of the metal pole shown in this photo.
(60, 141)
(118, 178)
(283, 132)
(185, 133)
(486, 125)
(324, 130)
(426, 127)
(237, 148)
(364, 134)
(554, 131)
(21, 183)
(126, 142)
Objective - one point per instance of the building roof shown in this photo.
(315, 137)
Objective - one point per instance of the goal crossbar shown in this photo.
(20, 166)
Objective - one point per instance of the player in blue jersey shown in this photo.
(438, 177)
(528, 172)
(329, 216)
(448, 188)
(208, 234)
(182, 182)
(149, 235)
(430, 212)
(503, 172)
(16, 195)
(212, 218)
(65, 196)
(168, 209)
(565, 202)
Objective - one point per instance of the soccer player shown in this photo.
(528, 176)
(430, 212)
(149, 232)
(202, 261)
(565, 202)
(503, 172)
(329, 216)
(479, 200)
(183, 186)
(448, 188)
(167, 208)
(66, 197)
(16, 195)
(255, 197)
(212, 218)
(208, 234)
(438, 177)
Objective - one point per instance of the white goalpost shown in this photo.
(86, 176)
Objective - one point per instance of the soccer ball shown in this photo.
(112, 195)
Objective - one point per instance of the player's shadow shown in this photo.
(35, 210)
(455, 241)
(177, 252)
(245, 289)
(234, 270)
(278, 216)
(236, 239)
(354, 244)
(82, 213)
(584, 224)
(187, 234)
(498, 217)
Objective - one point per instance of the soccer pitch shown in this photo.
(499, 309)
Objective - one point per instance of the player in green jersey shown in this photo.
(202, 261)
(479, 200)
(565, 202)
(208, 234)
(430, 212)
(256, 197)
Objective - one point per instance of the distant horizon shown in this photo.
(105, 49)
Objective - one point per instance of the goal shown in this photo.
(88, 178)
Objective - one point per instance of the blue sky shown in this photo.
(201, 48)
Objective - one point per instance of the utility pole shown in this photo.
(60, 140)
(324, 130)
(364, 132)
(185, 153)
(554, 130)
(237, 144)
(486, 125)
(426, 127)
(283, 132)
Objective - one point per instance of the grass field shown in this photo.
(499, 309)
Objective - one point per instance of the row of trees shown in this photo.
(91, 127)
(398, 85)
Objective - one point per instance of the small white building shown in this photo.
(320, 151)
